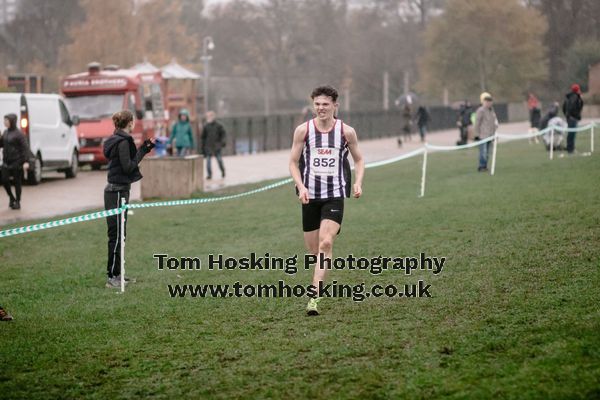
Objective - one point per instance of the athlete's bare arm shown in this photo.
(359, 162)
(297, 147)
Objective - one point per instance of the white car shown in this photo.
(50, 131)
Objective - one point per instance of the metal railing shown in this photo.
(254, 134)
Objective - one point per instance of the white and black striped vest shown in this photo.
(324, 163)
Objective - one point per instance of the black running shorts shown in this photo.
(319, 209)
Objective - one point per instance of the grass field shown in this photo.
(514, 314)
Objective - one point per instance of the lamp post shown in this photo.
(207, 45)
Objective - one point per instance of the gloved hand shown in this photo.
(148, 145)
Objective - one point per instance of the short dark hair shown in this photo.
(12, 121)
(325, 90)
(122, 118)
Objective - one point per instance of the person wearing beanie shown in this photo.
(14, 158)
(572, 107)
(182, 134)
(485, 126)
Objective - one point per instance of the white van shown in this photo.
(50, 130)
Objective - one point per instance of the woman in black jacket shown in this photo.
(14, 157)
(123, 170)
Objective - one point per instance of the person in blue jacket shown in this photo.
(182, 134)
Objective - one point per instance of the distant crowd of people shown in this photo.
(182, 140)
(481, 122)
(572, 107)
(485, 122)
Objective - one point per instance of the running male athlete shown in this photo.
(321, 171)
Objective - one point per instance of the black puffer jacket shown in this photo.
(123, 158)
(213, 137)
(15, 148)
(572, 106)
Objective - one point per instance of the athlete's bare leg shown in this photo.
(311, 241)
(326, 235)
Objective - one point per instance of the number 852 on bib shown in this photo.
(324, 162)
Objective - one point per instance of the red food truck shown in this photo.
(98, 93)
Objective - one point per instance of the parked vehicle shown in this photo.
(98, 93)
(50, 130)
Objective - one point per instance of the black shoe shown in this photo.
(16, 205)
(223, 175)
(11, 203)
(208, 178)
(482, 169)
(5, 316)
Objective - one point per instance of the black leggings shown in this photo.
(113, 200)
(17, 175)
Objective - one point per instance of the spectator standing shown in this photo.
(535, 113)
(422, 121)
(572, 107)
(464, 121)
(486, 124)
(213, 141)
(123, 170)
(407, 117)
(182, 134)
(15, 150)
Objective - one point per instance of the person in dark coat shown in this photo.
(15, 150)
(464, 121)
(551, 113)
(407, 117)
(422, 121)
(572, 107)
(213, 141)
(535, 114)
(123, 170)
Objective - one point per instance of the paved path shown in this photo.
(57, 196)
(274, 164)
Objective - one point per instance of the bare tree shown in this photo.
(40, 29)
(484, 46)
(568, 21)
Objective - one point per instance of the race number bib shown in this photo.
(323, 161)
